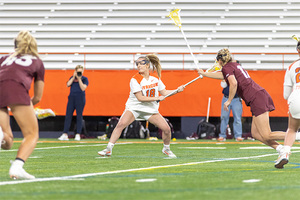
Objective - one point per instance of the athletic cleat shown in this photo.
(17, 172)
(282, 160)
(63, 137)
(77, 137)
(239, 139)
(221, 139)
(1, 136)
(105, 152)
(169, 153)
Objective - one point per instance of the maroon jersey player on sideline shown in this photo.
(16, 74)
(254, 96)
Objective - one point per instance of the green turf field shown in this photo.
(203, 170)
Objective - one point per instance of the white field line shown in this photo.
(14, 182)
(263, 147)
(62, 147)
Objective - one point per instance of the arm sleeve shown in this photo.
(287, 90)
(288, 85)
(40, 74)
(85, 81)
(161, 85)
(135, 86)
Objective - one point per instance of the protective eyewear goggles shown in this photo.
(219, 56)
(142, 62)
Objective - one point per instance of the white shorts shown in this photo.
(140, 115)
(294, 105)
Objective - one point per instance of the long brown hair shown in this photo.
(154, 60)
(25, 43)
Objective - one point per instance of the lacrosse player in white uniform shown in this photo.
(292, 94)
(142, 104)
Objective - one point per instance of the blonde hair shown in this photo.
(78, 67)
(25, 43)
(154, 60)
(225, 56)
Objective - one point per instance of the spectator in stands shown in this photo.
(291, 93)
(142, 104)
(76, 101)
(16, 74)
(254, 96)
(236, 107)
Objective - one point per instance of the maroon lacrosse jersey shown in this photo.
(21, 69)
(246, 87)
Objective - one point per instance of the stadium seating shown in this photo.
(111, 34)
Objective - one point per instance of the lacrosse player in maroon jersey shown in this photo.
(255, 96)
(17, 71)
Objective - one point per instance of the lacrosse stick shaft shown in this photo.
(191, 52)
(175, 91)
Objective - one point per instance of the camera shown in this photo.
(79, 73)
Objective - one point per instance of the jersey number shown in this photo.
(24, 61)
(150, 93)
(245, 73)
(297, 71)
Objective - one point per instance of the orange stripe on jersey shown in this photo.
(138, 78)
(293, 64)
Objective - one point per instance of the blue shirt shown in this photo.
(226, 92)
(75, 88)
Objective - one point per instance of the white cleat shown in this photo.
(105, 152)
(282, 160)
(63, 137)
(17, 172)
(169, 153)
(77, 137)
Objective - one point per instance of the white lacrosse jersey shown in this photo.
(292, 79)
(150, 88)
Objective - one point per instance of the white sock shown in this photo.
(18, 162)
(287, 148)
(110, 145)
(297, 135)
(279, 147)
(166, 146)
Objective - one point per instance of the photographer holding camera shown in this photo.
(76, 101)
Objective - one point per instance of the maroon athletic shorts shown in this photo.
(261, 103)
(12, 92)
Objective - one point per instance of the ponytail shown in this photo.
(25, 43)
(155, 63)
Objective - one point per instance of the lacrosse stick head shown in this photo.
(294, 37)
(215, 68)
(175, 16)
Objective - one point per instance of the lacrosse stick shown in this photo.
(174, 15)
(215, 68)
(295, 38)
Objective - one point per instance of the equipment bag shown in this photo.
(205, 130)
(112, 123)
(133, 130)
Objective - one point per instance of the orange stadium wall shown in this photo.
(108, 91)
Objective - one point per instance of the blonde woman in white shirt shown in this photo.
(142, 104)
(292, 94)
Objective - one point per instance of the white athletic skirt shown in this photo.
(294, 104)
